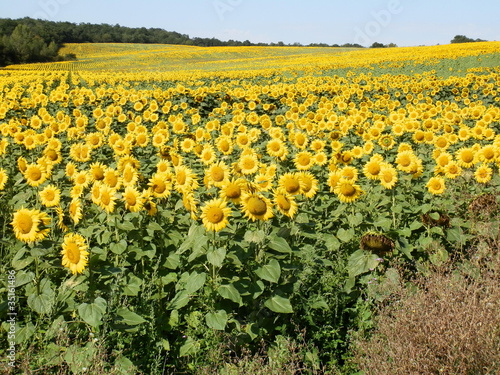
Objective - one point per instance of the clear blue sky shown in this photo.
(404, 22)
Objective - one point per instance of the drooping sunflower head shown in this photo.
(377, 243)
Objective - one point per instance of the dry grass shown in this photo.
(447, 323)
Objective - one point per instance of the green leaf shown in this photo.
(360, 262)
(42, 303)
(195, 281)
(153, 226)
(331, 242)
(217, 320)
(279, 304)
(384, 223)
(345, 235)
(133, 286)
(404, 246)
(127, 317)
(455, 235)
(270, 272)
(229, 292)
(434, 215)
(23, 334)
(126, 226)
(23, 277)
(118, 248)
(279, 244)
(216, 257)
(189, 348)
(173, 261)
(254, 236)
(92, 313)
(180, 300)
(355, 220)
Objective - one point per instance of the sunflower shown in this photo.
(436, 185)
(74, 252)
(70, 170)
(349, 173)
(149, 204)
(263, 181)
(22, 164)
(285, 203)
(107, 198)
(232, 190)
(160, 184)
(133, 199)
(207, 154)
(309, 184)
(185, 179)
(217, 174)
(30, 225)
(256, 207)
(452, 170)
(50, 196)
(129, 175)
(388, 176)
(75, 210)
(386, 142)
(248, 163)
(35, 174)
(224, 144)
(82, 178)
(466, 157)
(373, 167)
(112, 178)
(97, 171)
(405, 160)
(483, 174)
(303, 161)
(333, 180)
(3, 178)
(190, 203)
(214, 215)
(347, 191)
(291, 183)
(276, 148)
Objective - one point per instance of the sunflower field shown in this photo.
(158, 201)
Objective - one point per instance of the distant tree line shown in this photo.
(29, 40)
(464, 39)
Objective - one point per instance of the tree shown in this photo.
(464, 39)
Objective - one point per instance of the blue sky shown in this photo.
(404, 22)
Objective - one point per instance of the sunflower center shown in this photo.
(105, 198)
(73, 253)
(181, 178)
(35, 174)
(130, 199)
(159, 187)
(292, 186)
(217, 174)
(25, 223)
(233, 192)
(283, 203)
(347, 190)
(257, 206)
(468, 157)
(215, 215)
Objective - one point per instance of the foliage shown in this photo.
(150, 217)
